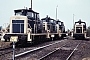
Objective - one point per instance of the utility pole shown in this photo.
(73, 20)
(73, 23)
(56, 12)
(31, 4)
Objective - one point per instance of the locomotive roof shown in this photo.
(47, 18)
(28, 10)
(58, 21)
(80, 22)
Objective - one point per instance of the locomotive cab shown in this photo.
(33, 18)
(49, 24)
(60, 28)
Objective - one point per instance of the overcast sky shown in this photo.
(66, 9)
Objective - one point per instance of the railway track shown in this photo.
(56, 49)
(60, 49)
(5, 50)
(52, 52)
(36, 49)
(73, 51)
(8, 52)
(18, 55)
(46, 51)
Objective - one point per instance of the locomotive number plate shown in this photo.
(52, 35)
(13, 38)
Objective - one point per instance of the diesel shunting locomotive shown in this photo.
(27, 27)
(79, 30)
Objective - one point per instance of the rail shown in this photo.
(49, 53)
(18, 55)
(5, 51)
(59, 49)
(73, 51)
